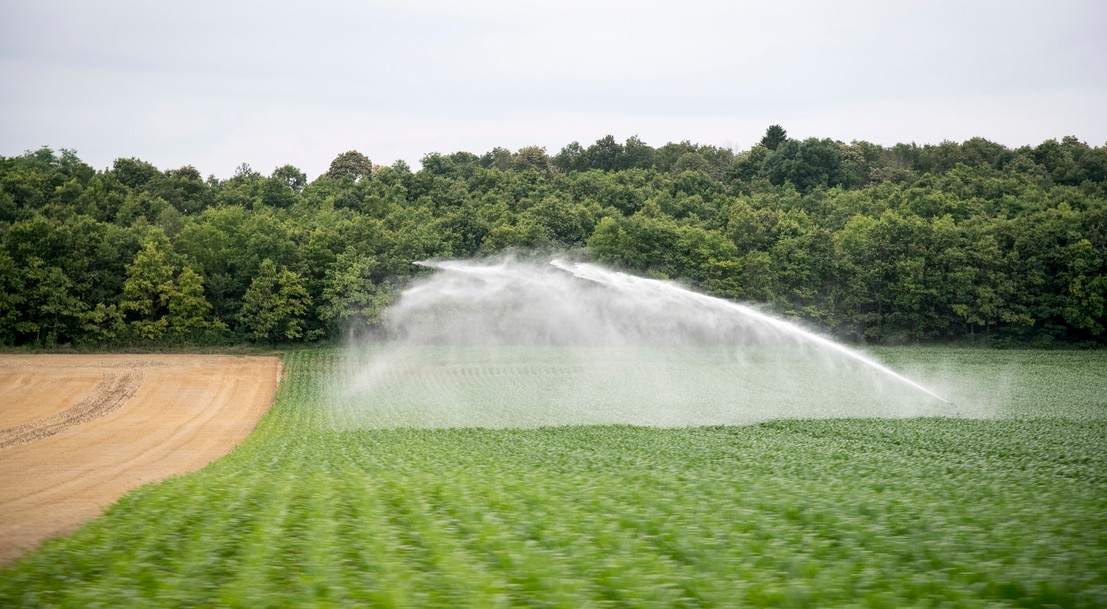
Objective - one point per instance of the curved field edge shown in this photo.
(878, 513)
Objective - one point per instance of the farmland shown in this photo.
(79, 431)
(329, 504)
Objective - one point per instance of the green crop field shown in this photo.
(334, 502)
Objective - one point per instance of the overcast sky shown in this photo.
(218, 83)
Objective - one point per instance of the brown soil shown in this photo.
(79, 431)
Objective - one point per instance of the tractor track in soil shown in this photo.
(113, 390)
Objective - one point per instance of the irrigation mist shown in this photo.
(513, 343)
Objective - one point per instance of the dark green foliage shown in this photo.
(146, 293)
(159, 302)
(775, 135)
(133, 173)
(350, 164)
(909, 243)
(275, 305)
(350, 299)
(532, 157)
(810, 164)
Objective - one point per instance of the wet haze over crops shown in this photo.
(511, 343)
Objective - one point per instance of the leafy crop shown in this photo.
(1006, 512)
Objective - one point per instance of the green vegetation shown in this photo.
(933, 512)
(694, 386)
(967, 241)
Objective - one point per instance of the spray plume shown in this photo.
(614, 278)
(512, 343)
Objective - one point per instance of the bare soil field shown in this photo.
(79, 431)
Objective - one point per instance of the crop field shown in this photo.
(347, 498)
(678, 387)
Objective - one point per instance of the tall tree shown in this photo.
(291, 177)
(807, 165)
(570, 158)
(775, 135)
(52, 310)
(188, 309)
(11, 299)
(134, 173)
(352, 164)
(637, 153)
(146, 292)
(350, 298)
(532, 157)
(275, 305)
(605, 154)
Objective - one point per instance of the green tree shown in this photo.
(565, 223)
(807, 165)
(134, 173)
(188, 308)
(350, 298)
(351, 164)
(464, 228)
(104, 323)
(863, 276)
(653, 243)
(146, 292)
(182, 188)
(532, 157)
(775, 135)
(606, 154)
(498, 158)
(275, 193)
(290, 176)
(1086, 303)
(638, 154)
(691, 161)
(570, 158)
(748, 165)
(55, 311)
(11, 299)
(275, 305)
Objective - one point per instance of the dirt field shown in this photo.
(78, 431)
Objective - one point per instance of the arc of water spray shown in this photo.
(608, 278)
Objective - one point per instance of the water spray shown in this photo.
(678, 295)
(610, 278)
(526, 343)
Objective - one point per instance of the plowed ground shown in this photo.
(78, 431)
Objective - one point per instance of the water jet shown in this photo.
(604, 276)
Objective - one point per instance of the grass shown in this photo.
(931, 512)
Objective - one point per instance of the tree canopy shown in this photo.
(943, 242)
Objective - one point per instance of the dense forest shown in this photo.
(967, 241)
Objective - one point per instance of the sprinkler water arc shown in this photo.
(602, 276)
(511, 342)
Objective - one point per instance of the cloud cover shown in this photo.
(216, 84)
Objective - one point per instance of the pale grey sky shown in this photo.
(215, 83)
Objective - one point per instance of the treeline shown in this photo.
(878, 244)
